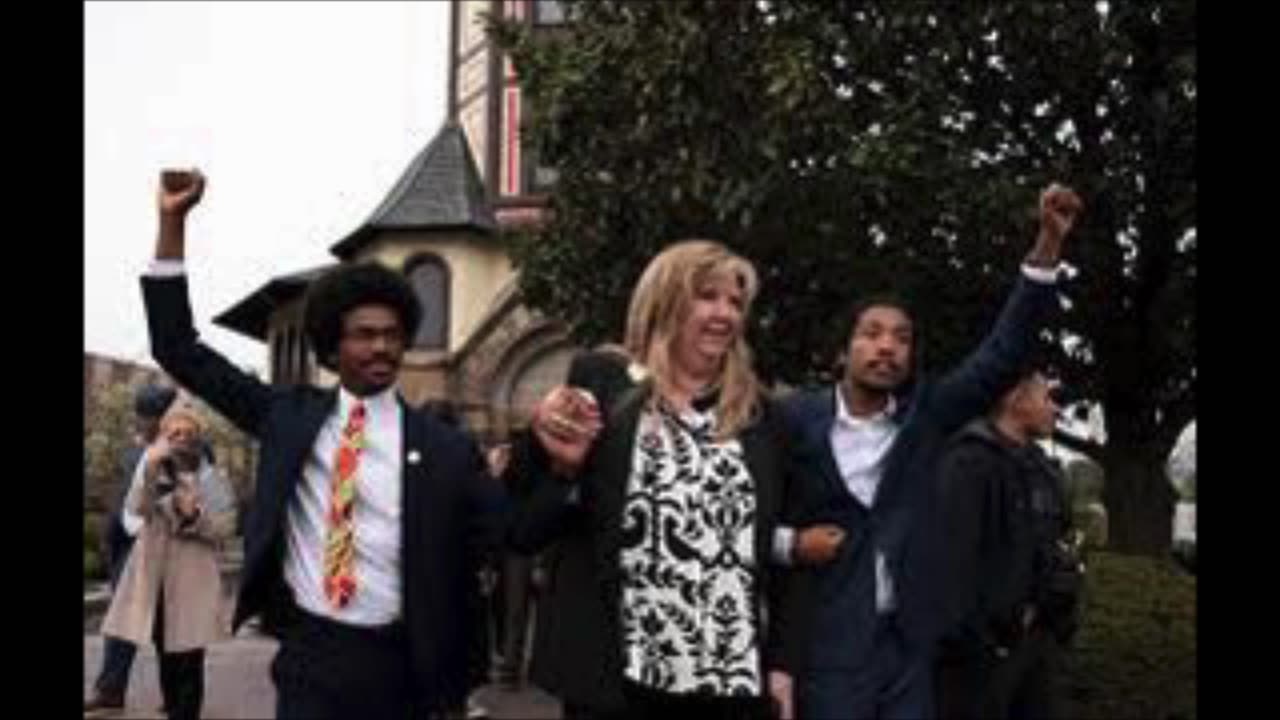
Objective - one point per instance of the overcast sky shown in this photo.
(301, 114)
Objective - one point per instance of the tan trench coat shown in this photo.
(181, 561)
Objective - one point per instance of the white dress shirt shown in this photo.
(860, 446)
(376, 515)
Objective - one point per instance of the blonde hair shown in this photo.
(663, 298)
(182, 408)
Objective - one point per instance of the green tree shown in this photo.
(856, 146)
(108, 431)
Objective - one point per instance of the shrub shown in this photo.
(1135, 654)
(94, 565)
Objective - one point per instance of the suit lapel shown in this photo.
(827, 463)
(312, 417)
(412, 451)
(415, 458)
(761, 457)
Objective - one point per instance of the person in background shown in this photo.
(1012, 562)
(112, 684)
(170, 591)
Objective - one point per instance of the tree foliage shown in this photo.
(848, 147)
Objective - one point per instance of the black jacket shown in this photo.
(567, 562)
(586, 536)
(1004, 510)
(452, 508)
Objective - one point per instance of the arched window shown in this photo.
(429, 277)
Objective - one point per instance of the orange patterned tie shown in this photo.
(339, 546)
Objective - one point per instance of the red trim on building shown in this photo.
(513, 141)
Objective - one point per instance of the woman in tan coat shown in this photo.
(170, 591)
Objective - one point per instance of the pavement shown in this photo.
(238, 685)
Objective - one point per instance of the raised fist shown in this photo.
(180, 190)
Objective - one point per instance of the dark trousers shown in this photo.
(1016, 687)
(895, 684)
(645, 702)
(117, 663)
(330, 670)
(117, 654)
(181, 674)
(517, 600)
(575, 711)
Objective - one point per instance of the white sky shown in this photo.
(301, 114)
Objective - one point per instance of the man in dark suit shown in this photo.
(368, 517)
(872, 441)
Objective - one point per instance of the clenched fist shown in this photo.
(1059, 206)
(566, 423)
(180, 190)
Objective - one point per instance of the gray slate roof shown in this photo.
(250, 316)
(441, 189)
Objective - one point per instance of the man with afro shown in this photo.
(369, 517)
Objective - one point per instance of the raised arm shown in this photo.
(973, 386)
(237, 395)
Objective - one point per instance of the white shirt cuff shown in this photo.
(1048, 276)
(166, 268)
(782, 539)
(132, 523)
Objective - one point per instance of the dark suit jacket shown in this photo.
(837, 601)
(451, 514)
(588, 660)
(568, 562)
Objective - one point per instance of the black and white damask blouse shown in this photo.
(688, 560)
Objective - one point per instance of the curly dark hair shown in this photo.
(342, 289)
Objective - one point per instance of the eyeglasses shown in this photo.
(369, 335)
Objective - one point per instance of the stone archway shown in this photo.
(533, 364)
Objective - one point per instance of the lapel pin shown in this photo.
(414, 457)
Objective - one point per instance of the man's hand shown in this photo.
(180, 190)
(817, 544)
(566, 422)
(1059, 207)
(780, 689)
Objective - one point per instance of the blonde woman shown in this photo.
(181, 509)
(675, 486)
